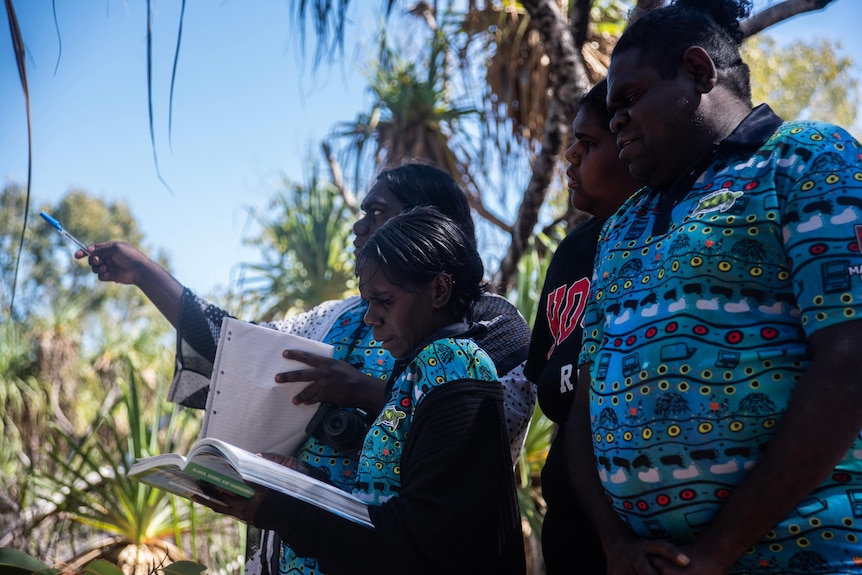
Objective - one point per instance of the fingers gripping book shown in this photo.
(234, 470)
(248, 412)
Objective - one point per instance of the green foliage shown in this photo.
(21, 400)
(304, 243)
(413, 112)
(529, 468)
(89, 486)
(532, 269)
(82, 378)
(14, 562)
(101, 567)
(609, 16)
(62, 310)
(810, 79)
(184, 568)
(49, 272)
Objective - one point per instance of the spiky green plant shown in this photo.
(89, 497)
(531, 276)
(20, 400)
(14, 562)
(413, 114)
(304, 242)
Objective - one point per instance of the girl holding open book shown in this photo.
(434, 466)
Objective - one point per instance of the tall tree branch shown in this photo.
(569, 81)
(338, 178)
(474, 197)
(780, 12)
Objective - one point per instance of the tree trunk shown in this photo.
(569, 83)
(569, 79)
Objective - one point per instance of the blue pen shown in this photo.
(56, 225)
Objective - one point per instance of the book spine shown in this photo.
(221, 481)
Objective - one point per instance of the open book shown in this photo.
(235, 470)
(245, 406)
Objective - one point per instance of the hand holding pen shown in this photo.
(116, 262)
(122, 263)
(56, 225)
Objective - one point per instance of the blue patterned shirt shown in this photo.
(697, 333)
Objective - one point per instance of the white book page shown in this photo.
(280, 478)
(245, 406)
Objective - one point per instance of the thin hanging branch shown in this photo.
(20, 57)
(150, 93)
(778, 13)
(174, 77)
(59, 38)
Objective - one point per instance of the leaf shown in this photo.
(101, 567)
(184, 568)
(14, 562)
(20, 57)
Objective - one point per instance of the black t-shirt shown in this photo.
(553, 358)
(552, 363)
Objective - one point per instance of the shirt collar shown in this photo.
(754, 130)
(456, 330)
(751, 133)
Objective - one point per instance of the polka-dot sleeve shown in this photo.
(821, 177)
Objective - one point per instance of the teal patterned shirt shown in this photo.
(697, 333)
(444, 361)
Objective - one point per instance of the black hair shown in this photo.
(416, 246)
(417, 185)
(663, 36)
(596, 101)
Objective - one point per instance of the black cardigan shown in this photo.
(457, 511)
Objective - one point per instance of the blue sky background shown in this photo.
(247, 110)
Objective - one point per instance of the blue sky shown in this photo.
(247, 110)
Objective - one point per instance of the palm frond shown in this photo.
(59, 37)
(303, 233)
(20, 57)
(174, 73)
(328, 20)
(150, 94)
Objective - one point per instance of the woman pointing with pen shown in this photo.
(337, 322)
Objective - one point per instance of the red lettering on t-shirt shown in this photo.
(565, 310)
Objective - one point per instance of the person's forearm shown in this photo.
(821, 424)
(162, 289)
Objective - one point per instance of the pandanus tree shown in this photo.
(540, 56)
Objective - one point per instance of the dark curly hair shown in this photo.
(663, 36)
(416, 246)
(596, 102)
(416, 184)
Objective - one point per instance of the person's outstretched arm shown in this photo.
(122, 263)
